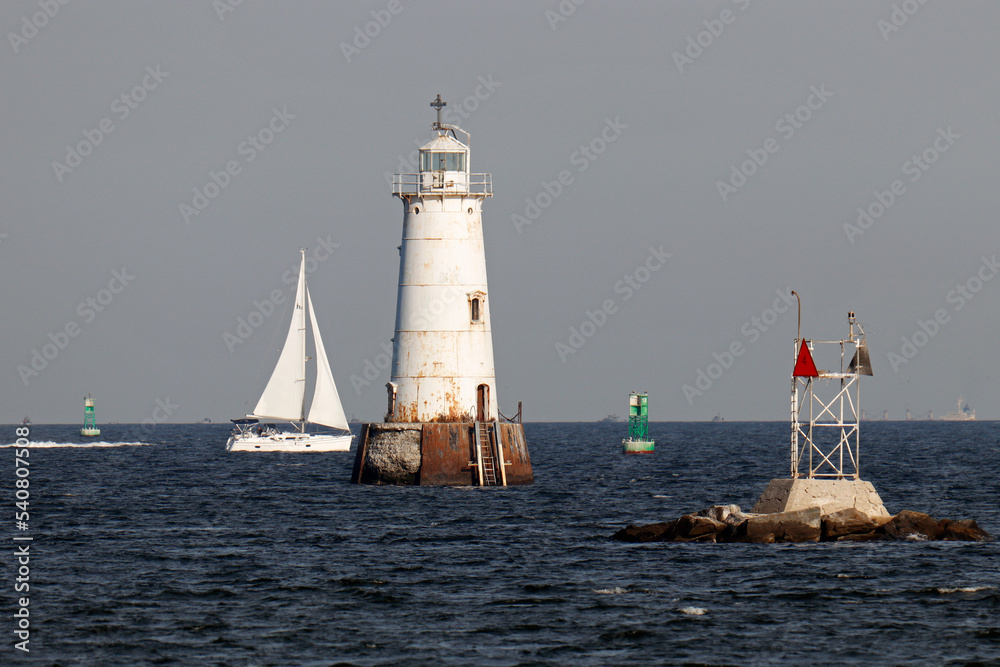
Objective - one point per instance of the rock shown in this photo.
(734, 532)
(966, 530)
(393, 454)
(737, 518)
(805, 525)
(730, 514)
(720, 512)
(798, 526)
(655, 532)
(691, 527)
(845, 522)
(911, 525)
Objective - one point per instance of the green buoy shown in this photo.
(638, 441)
(89, 418)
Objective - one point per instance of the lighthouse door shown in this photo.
(482, 403)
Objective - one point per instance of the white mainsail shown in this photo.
(284, 395)
(326, 408)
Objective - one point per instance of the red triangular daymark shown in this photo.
(804, 365)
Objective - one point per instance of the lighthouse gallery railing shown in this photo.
(418, 184)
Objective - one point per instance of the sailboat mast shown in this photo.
(300, 303)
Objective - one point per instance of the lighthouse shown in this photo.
(442, 424)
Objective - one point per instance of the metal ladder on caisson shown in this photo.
(486, 461)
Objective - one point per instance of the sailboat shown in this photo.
(284, 396)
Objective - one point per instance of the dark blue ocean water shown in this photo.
(176, 552)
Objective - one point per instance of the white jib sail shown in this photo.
(284, 395)
(326, 408)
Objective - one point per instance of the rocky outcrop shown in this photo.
(797, 526)
(846, 522)
(730, 514)
(694, 528)
(917, 526)
(653, 532)
(727, 523)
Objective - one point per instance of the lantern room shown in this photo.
(444, 164)
(444, 154)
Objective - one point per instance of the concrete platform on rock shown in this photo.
(831, 495)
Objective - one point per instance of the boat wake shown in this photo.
(79, 445)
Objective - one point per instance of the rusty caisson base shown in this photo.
(442, 454)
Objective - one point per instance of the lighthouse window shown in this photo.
(474, 304)
(442, 162)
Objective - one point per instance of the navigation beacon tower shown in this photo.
(825, 469)
(442, 425)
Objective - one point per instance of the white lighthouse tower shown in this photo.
(442, 425)
(442, 366)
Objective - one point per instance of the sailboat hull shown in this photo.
(290, 442)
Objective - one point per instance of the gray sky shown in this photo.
(647, 108)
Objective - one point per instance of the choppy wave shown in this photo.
(968, 589)
(693, 611)
(80, 445)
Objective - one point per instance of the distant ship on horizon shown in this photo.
(963, 414)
